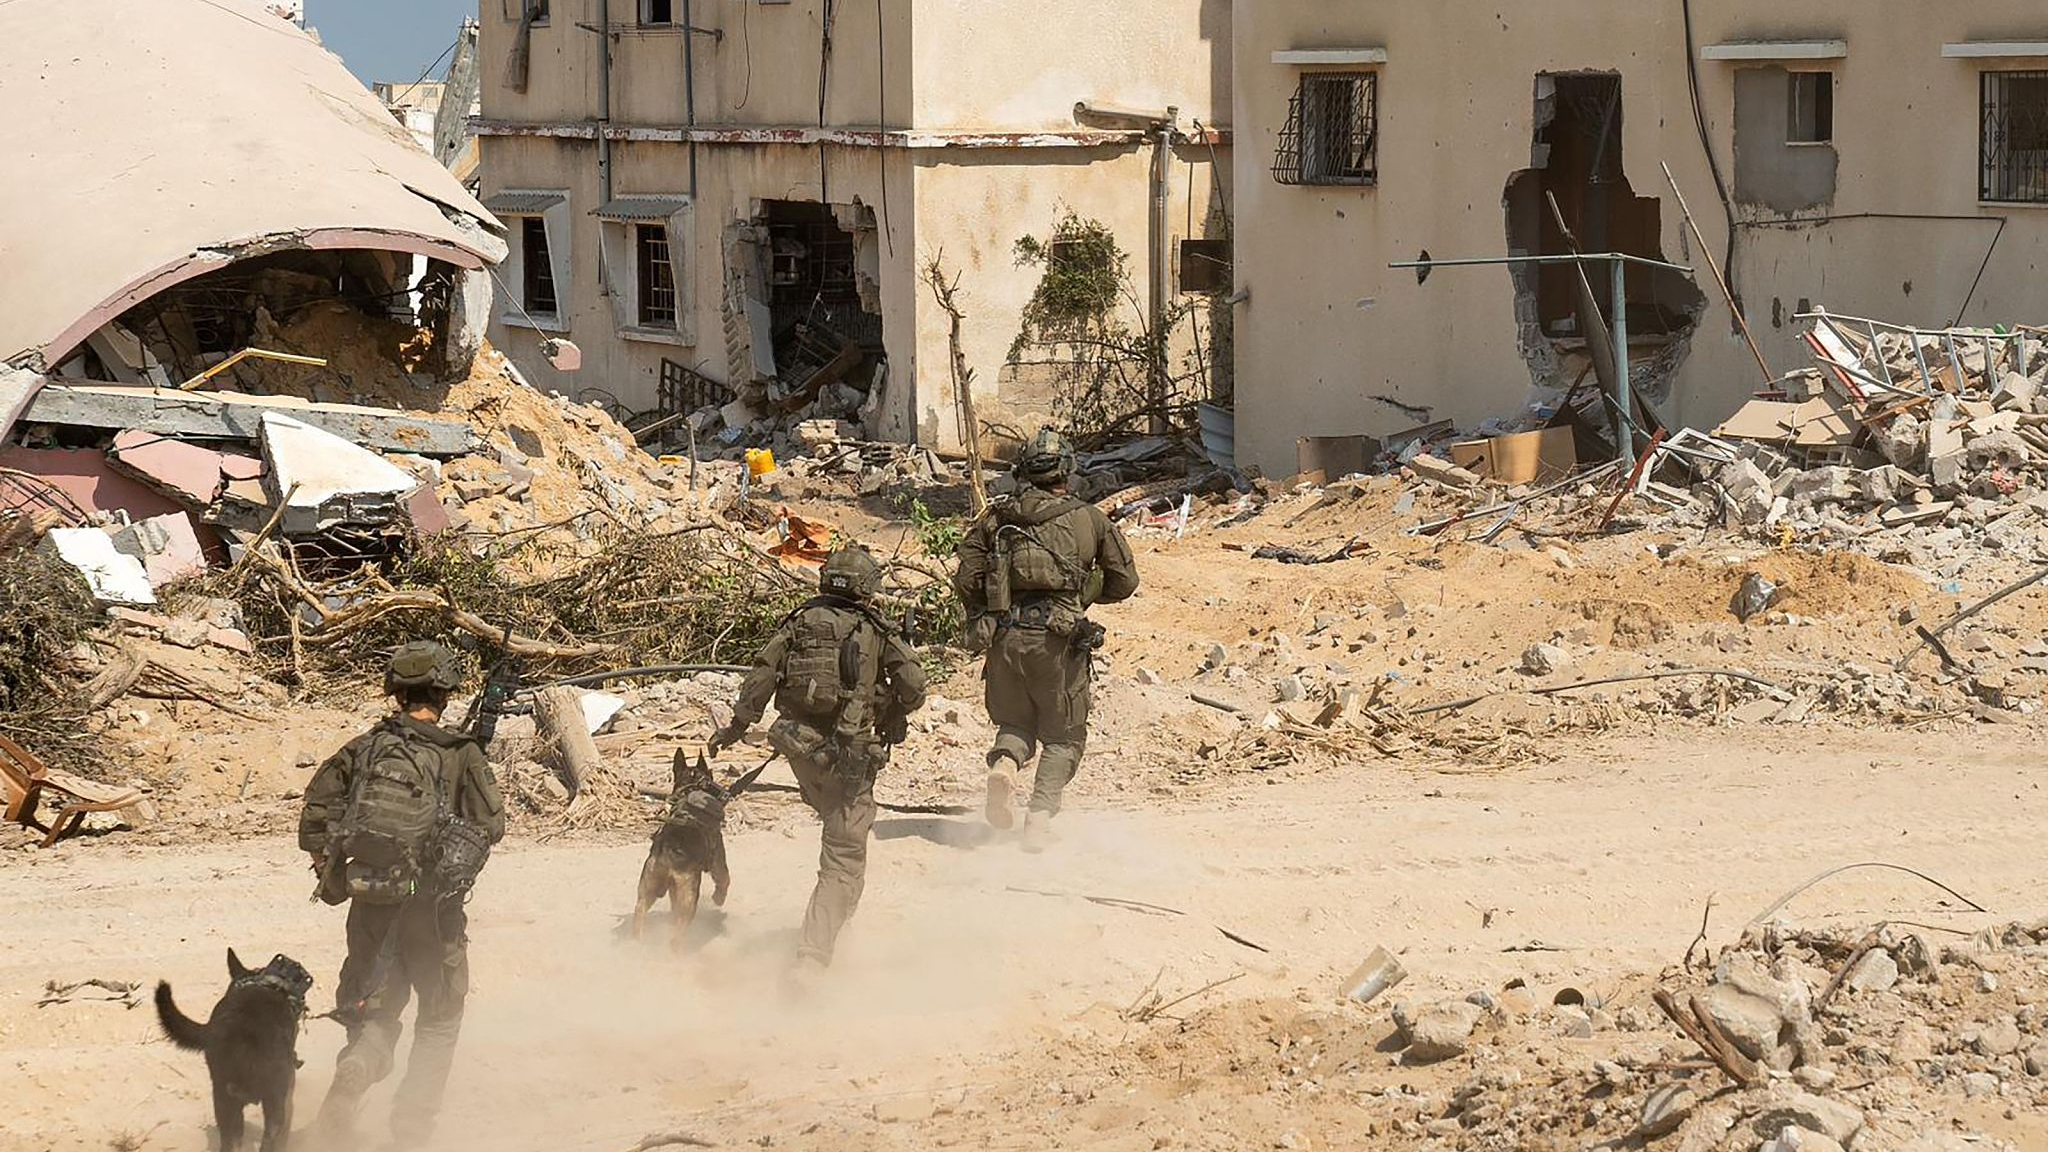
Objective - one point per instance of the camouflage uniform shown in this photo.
(397, 950)
(1036, 676)
(830, 736)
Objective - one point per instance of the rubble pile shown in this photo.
(1886, 1042)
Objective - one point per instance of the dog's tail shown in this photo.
(184, 1031)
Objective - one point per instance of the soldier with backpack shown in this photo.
(399, 823)
(844, 686)
(1030, 569)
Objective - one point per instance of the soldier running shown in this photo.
(398, 824)
(1029, 571)
(844, 687)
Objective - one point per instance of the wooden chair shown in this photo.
(24, 780)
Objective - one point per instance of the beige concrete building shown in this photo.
(742, 193)
(1883, 160)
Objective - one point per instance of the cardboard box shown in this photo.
(1522, 458)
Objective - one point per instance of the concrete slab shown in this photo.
(115, 577)
(325, 481)
(187, 472)
(233, 416)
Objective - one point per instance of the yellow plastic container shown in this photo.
(760, 461)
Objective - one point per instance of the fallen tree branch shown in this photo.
(1454, 705)
(1738, 1069)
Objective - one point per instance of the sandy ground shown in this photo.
(956, 994)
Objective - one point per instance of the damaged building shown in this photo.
(1885, 165)
(735, 204)
(204, 176)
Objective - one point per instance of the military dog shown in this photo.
(689, 843)
(251, 1045)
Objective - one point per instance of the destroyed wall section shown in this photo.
(984, 100)
(1327, 326)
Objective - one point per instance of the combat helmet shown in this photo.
(1048, 458)
(850, 572)
(422, 664)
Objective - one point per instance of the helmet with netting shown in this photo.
(1048, 457)
(422, 664)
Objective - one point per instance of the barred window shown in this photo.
(1332, 132)
(2013, 143)
(657, 275)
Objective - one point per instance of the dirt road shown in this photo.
(956, 990)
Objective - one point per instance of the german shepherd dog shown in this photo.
(251, 1045)
(689, 843)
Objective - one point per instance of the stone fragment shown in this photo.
(1545, 659)
(1438, 1031)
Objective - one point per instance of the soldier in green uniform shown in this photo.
(1029, 571)
(398, 824)
(843, 685)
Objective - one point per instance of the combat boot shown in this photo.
(1002, 787)
(1037, 832)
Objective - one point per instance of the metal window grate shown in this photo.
(1332, 132)
(657, 275)
(2013, 145)
(539, 268)
(684, 389)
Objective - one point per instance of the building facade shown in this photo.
(1888, 161)
(740, 198)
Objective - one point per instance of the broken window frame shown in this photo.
(538, 293)
(1331, 138)
(627, 278)
(2006, 174)
(649, 19)
(1815, 88)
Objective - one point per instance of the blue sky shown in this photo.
(388, 39)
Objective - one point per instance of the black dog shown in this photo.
(689, 843)
(251, 1045)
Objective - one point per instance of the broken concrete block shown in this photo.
(1437, 1032)
(113, 576)
(1665, 1109)
(1749, 487)
(1790, 1108)
(168, 547)
(2016, 393)
(1875, 972)
(1829, 485)
(738, 414)
(1903, 441)
(599, 708)
(2003, 449)
(325, 481)
(1796, 1139)
(1766, 1018)
(1949, 471)
(1545, 659)
(1442, 471)
(185, 633)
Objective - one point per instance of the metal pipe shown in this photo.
(604, 101)
(690, 89)
(1624, 443)
(1572, 258)
(1162, 267)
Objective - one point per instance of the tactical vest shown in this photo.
(831, 668)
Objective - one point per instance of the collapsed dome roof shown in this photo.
(148, 143)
